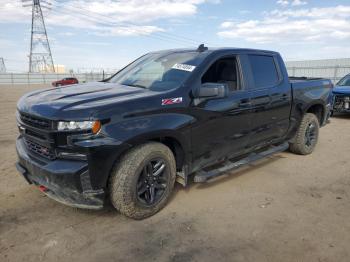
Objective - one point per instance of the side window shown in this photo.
(264, 70)
(224, 70)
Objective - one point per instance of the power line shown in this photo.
(124, 25)
(13, 60)
(106, 20)
(158, 37)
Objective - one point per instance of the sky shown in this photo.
(91, 34)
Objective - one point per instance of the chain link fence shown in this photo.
(333, 69)
(38, 78)
(335, 73)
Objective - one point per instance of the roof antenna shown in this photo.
(202, 48)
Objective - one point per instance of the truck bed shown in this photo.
(294, 79)
(309, 82)
(308, 89)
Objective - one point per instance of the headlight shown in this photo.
(94, 126)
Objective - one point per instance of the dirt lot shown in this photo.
(285, 208)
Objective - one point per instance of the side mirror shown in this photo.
(213, 90)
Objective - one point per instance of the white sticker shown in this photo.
(184, 67)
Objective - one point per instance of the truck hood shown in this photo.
(342, 90)
(56, 103)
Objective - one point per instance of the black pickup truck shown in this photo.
(168, 116)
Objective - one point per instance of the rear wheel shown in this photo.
(307, 135)
(142, 181)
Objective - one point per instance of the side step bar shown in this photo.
(204, 176)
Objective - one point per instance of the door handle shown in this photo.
(284, 97)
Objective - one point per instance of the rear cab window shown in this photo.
(264, 71)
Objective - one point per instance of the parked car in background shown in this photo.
(66, 81)
(166, 116)
(341, 95)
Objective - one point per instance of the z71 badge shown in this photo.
(171, 101)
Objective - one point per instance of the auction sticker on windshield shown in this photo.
(184, 67)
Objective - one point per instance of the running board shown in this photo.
(204, 176)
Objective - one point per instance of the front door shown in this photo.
(222, 125)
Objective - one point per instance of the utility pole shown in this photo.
(40, 57)
(2, 66)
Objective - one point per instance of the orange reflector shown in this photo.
(96, 127)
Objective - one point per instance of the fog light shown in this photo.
(69, 155)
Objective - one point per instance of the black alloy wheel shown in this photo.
(310, 134)
(152, 182)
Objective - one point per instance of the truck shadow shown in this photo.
(341, 116)
(109, 211)
(229, 175)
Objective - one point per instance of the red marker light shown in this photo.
(42, 188)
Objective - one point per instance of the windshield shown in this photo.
(345, 81)
(159, 71)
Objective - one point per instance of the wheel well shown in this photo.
(176, 148)
(318, 111)
(170, 142)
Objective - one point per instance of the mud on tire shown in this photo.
(135, 172)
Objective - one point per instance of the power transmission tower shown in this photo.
(2, 65)
(40, 57)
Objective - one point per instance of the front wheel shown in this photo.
(307, 135)
(142, 181)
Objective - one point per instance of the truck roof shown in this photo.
(210, 50)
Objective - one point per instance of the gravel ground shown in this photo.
(284, 208)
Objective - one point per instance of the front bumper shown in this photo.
(66, 181)
(341, 110)
(341, 103)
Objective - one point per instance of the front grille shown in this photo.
(35, 122)
(40, 150)
(340, 102)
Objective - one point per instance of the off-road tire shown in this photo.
(125, 174)
(298, 146)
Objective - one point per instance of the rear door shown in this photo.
(270, 98)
